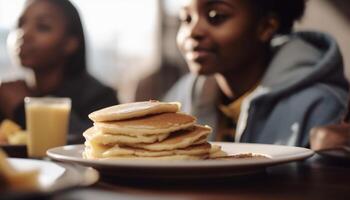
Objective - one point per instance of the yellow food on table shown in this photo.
(9, 127)
(18, 138)
(11, 133)
(12, 179)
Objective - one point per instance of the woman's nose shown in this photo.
(196, 29)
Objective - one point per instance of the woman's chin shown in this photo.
(27, 64)
(200, 69)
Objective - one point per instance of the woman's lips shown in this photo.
(24, 50)
(199, 55)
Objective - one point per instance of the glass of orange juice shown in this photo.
(47, 121)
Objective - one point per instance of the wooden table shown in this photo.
(315, 178)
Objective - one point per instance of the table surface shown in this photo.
(316, 178)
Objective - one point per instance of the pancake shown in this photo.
(149, 125)
(149, 130)
(178, 140)
(160, 158)
(97, 150)
(133, 110)
(216, 152)
(200, 151)
(97, 136)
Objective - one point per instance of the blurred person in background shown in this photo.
(51, 43)
(252, 78)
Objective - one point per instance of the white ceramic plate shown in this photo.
(188, 169)
(55, 176)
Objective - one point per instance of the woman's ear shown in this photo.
(267, 28)
(71, 46)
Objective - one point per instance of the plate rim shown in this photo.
(303, 154)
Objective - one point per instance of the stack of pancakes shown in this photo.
(147, 130)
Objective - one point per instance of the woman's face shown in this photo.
(42, 39)
(218, 36)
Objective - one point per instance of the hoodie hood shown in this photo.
(304, 86)
(304, 59)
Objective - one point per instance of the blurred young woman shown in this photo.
(51, 43)
(254, 80)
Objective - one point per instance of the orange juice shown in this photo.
(47, 123)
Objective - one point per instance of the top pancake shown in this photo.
(133, 110)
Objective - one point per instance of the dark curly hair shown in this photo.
(287, 11)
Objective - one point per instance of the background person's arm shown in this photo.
(331, 136)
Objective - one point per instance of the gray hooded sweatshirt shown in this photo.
(304, 86)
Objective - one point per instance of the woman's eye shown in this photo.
(44, 27)
(20, 23)
(215, 17)
(185, 18)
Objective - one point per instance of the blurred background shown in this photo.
(131, 44)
